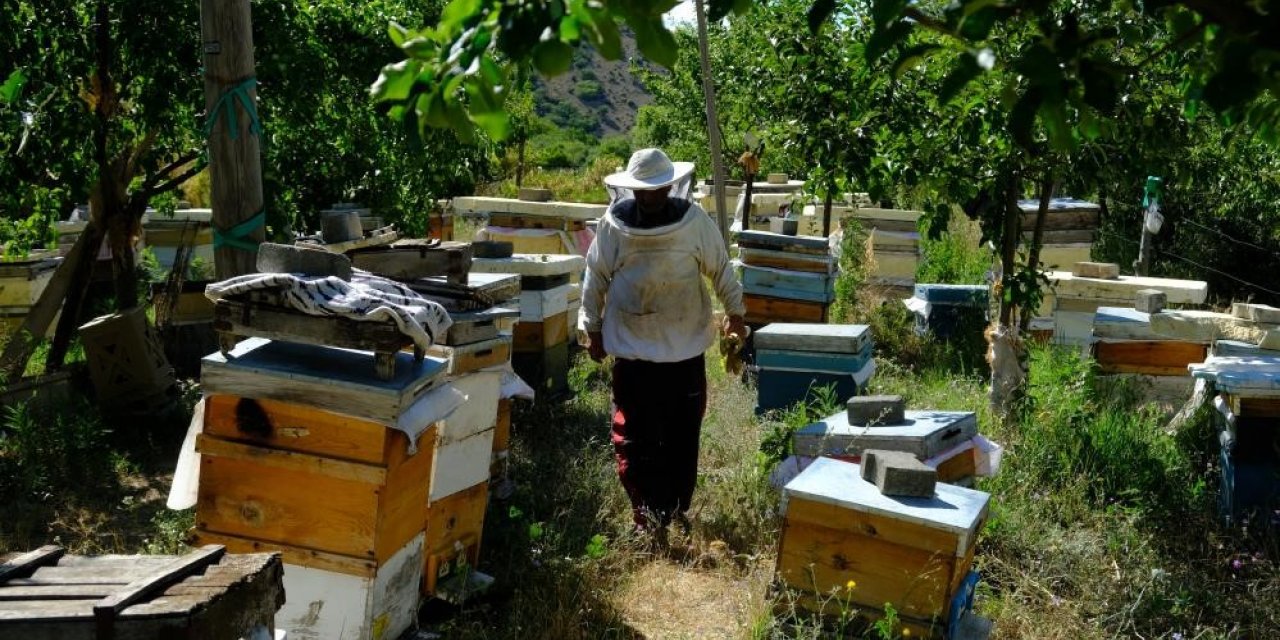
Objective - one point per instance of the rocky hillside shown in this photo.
(597, 96)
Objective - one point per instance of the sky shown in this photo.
(683, 13)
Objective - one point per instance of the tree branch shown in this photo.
(164, 171)
(174, 182)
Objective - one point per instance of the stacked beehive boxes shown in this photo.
(1248, 410)
(1076, 295)
(785, 278)
(845, 546)
(795, 360)
(306, 452)
(1125, 346)
(534, 227)
(1070, 228)
(551, 294)
(21, 284)
(892, 249)
(192, 227)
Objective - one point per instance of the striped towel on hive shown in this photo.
(366, 298)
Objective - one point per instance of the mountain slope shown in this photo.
(596, 95)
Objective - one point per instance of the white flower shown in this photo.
(986, 59)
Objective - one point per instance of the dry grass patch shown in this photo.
(664, 600)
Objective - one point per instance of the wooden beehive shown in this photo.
(21, 283)
(795, 359)
(538, 336)
(464, 440)
(923, 434)
(914, 553)
(125, 356)
(465, 358)
(46, 595)
(454, 528)
(765, 309)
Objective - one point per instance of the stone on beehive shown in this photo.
(534, 194)
(1256, 312)
(1150, 300)
(897, 473)
(876, 410)
(1103, 270)
(284, 258)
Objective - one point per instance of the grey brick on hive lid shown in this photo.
(285, 258)
(1150, 300)
(897, 473)
(876, 410)
(1103, 270)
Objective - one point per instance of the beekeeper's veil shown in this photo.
(650, 169)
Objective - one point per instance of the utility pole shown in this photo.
(233, 131)
(713, 124)
(1152, 220)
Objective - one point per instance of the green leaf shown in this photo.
(535, 530)
(596, 546)
(497, 124)
(654, 41)
(458, 12)
(12, 87)
(885, 11)
(977, 25)
(965, 70)
(819, 12)
(552, 57)
(910, 58)
(1100, 86)
(395, 81)
(398, 34)
(569, 30)
(1022, 118)
(884, 39)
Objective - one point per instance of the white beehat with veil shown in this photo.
(650, 169)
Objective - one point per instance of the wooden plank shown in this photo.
(105, 611)
(58, 592)
(821, 559)
(461, 464)
(26, 564)
(532, 264)
(767, 278)
(334, 380)
(276, 323)
(379, 238)
(300, 556)
(958, 467)
(502, 426)
(872, 213)
(1064, 236)
(22, 342)
(292, 461)
(476, 326)
(289, 506)
(568, 210)
(778, 242)
(402, 503)
(295, 427)
(1126, 287)
(536, 222)
(764, 309)
(413, 259)
(871, 525)
(1064, 220)
(1162, 357)
(1253, 407)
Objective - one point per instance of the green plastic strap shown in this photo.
(235, 237)
(227, 104)
(1151, 193)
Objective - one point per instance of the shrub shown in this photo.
(589, 91)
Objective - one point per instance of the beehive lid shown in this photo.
(531, 264)
(328, 378)
(826, 338)
(1125, 288)
(1058, 204)
(953, 294)
(1123, 323)
(923, 434)
(953, 509)
(1245, 376)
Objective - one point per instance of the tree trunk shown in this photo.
(235, 164)
(520, 164)
(713, 123)
(1007, 353)
(826, 210)
(1037, 237)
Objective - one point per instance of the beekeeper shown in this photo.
(644, 302)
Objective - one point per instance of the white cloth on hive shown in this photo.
(186, 476)
(365, 298)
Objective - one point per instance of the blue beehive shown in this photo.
(796, 359)
(945, 309)
(1249, 432)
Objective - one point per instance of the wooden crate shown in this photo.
(914, 553)
(923, 434)
(765, 310)
(455, 525)
(126, 358)
(464, 441)
(1149, 357)
(21, 283)
(46, 595)
(534, 337)
(465, 358)
(286, 485)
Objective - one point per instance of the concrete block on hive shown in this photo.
(876, 410)
(1256, 312)
(1150, 300)
(284, 258)
(534, 194)
(1103, 270)
(897, 473)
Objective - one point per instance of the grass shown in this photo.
(566, 185)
